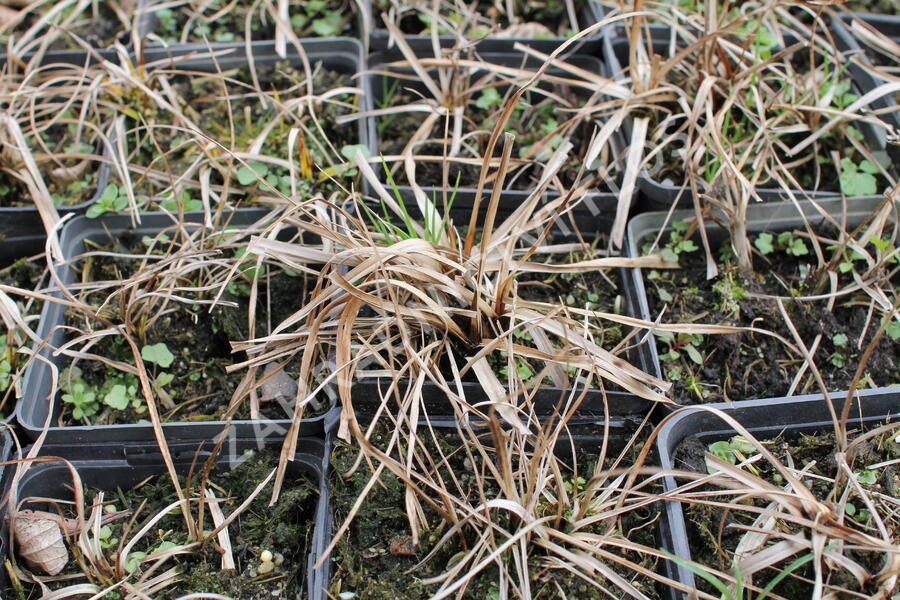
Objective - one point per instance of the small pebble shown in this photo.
(347, 595)
(266, 567)
(276, 593)
(265, 556)
(279, 558)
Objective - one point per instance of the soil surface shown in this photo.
(375, 555)
(223, 21)
(285, 529)
(236, 124)
(70, 180)
(200, 387)
(743, 366)
(551, 17)
(539, 125)
(713, 541)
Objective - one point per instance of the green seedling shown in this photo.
(730, 451)
(488, 98)
(113, 200)
(726, 591)
(786, 242)
(158, 354)
(432, 228)
(183, 201)
(858, 180)
(677, 243)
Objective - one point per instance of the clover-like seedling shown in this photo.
(858, 180)
(158, 354)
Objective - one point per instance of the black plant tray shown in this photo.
(121, 466)
(585, 438)
(866, 80)
(373, 83)
(662, 195)
(773, 217)
(33, 409)
(592, 12)
(594, 216)
(764, 419)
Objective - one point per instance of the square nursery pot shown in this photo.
(591, 12)
(36, 405)
(342, 55)
(110, 467)
(149, 21)
(374, 82)
(578, 442)
(25, 221)
(864, 78)
(591, 218)
(662, 195)
(772, 217)
(765, 419)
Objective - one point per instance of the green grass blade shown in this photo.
(700, 572)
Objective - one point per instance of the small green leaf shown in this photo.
(158, 354)
(694, 354)
(117, 398)
(489, 97)
(763, 243)
(867, 477)
(349, 151)
(250, 174)
(839, 340)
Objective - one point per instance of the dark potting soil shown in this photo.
(536, 127)
(711, 534)
(223, 21)
(200, 388)
(101, 24)
(235, 116)
(69, 180)
(285, 530)
(376, 558)
(741, 366)
(552, 16)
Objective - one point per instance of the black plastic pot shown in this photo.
(367, 392)
(343, 55)
(592, 12)
(121, 466)
(150, 21)
(24, 221)
(765, 419)
(865, 79)
(374, 84)
(583, 439)
(35, 406)
(772, 217)
(662, 195)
